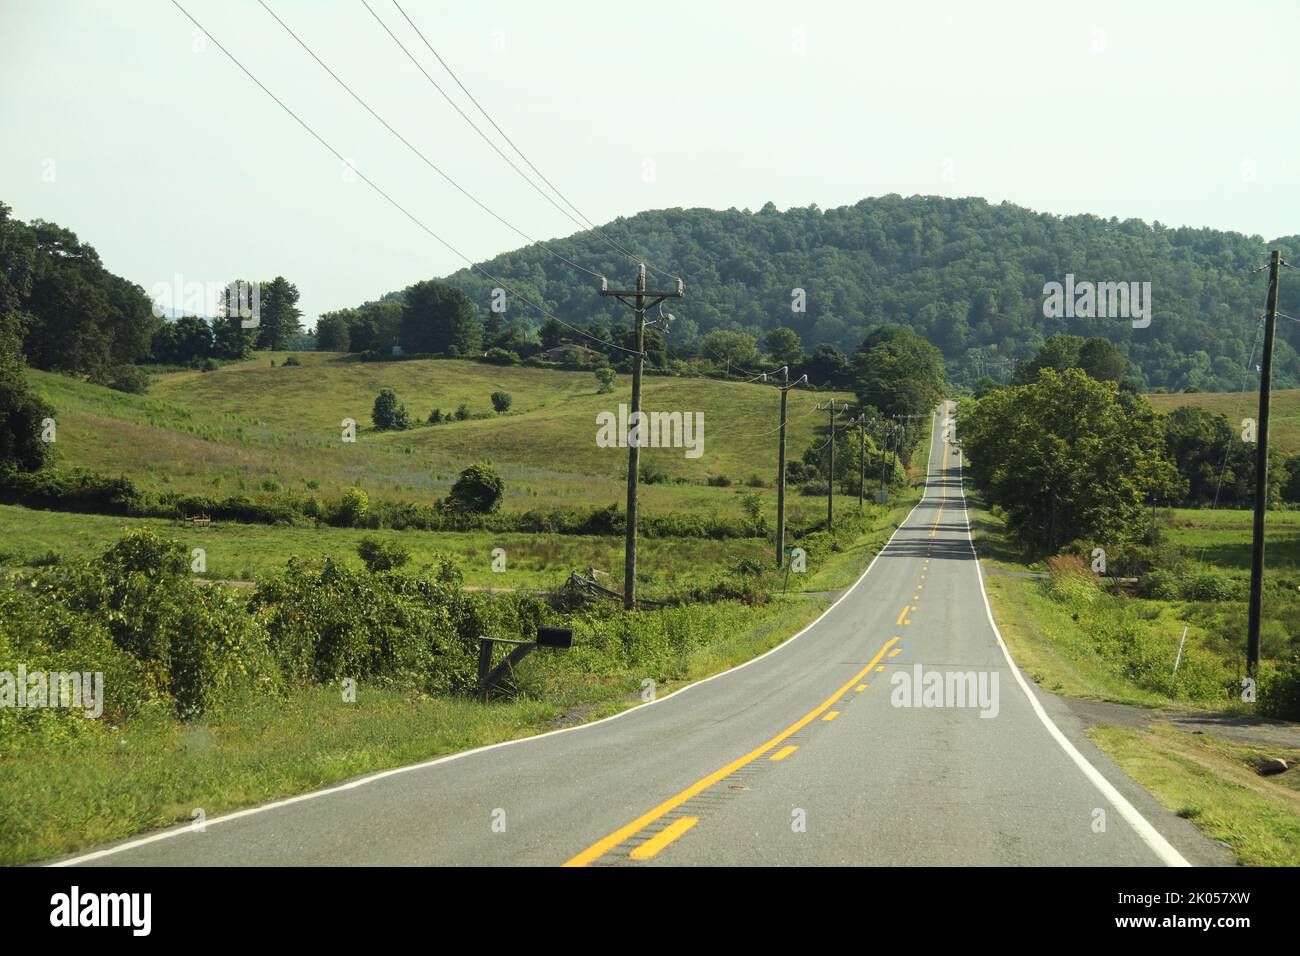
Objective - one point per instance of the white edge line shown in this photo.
(380, 775)
(1149, 834)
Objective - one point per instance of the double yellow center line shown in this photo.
(678, 827)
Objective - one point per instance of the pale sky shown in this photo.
(119, 124)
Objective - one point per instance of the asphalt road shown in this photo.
(809, 755)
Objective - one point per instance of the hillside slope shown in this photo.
(251, 426)
(966, 274)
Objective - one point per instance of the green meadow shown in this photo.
(252, 427)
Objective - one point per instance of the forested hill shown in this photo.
(966, 274)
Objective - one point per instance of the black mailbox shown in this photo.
(559, 637)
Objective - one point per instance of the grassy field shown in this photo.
(1284, 418)
(243, 552)
(1222, 537)
(251, 426)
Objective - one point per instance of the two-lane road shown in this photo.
(810, 754)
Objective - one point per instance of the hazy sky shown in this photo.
(117, 122)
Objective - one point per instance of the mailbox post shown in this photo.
(555, 638)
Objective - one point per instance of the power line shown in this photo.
(632, 256)
(369, 182)
(428, 162)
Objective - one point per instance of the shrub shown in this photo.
(605, 378)
(478, 490)
(389, 414)
(193, 640)
(1279, 691)
(650, 475)
(462, 412)
(719, 481)
(501, 402)
(382, 556)
(291, 360)
(1160, 585)
(500, 356)
(1212, 586)
(436, 417)
(353, 508)
(327, 622)
(125, 378)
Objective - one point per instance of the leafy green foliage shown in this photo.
(1067, 457)
(501, 402)
(382, 555)
(1096, 356)
(898, 372)
(388, 413)
(478, 489)
(440, 319)
(21, 412)
(605, 378)
(279, 321)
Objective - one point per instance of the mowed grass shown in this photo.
(1213, 783)
(1284, 415)
(249, 426)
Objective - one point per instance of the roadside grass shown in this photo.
(58, 798)
(1213, 783)
(1057, 644)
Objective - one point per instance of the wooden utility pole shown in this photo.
(1261, 467)
(638, 300)
(785, 387)
(830, 486)
(862, 462)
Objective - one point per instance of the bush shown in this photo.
(1213, 586)
(382, 556)
(389, 414)
(500, 356)
(353, 508)
(124, 378)
(719, 481)
(605, 378)
(650, 475)
(1279, 691)
(193, 640)
(436, 417)
(462, 412)
(291, 360)
(477, 490)
(1160, 585)
(328, 622)
(501, 402)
